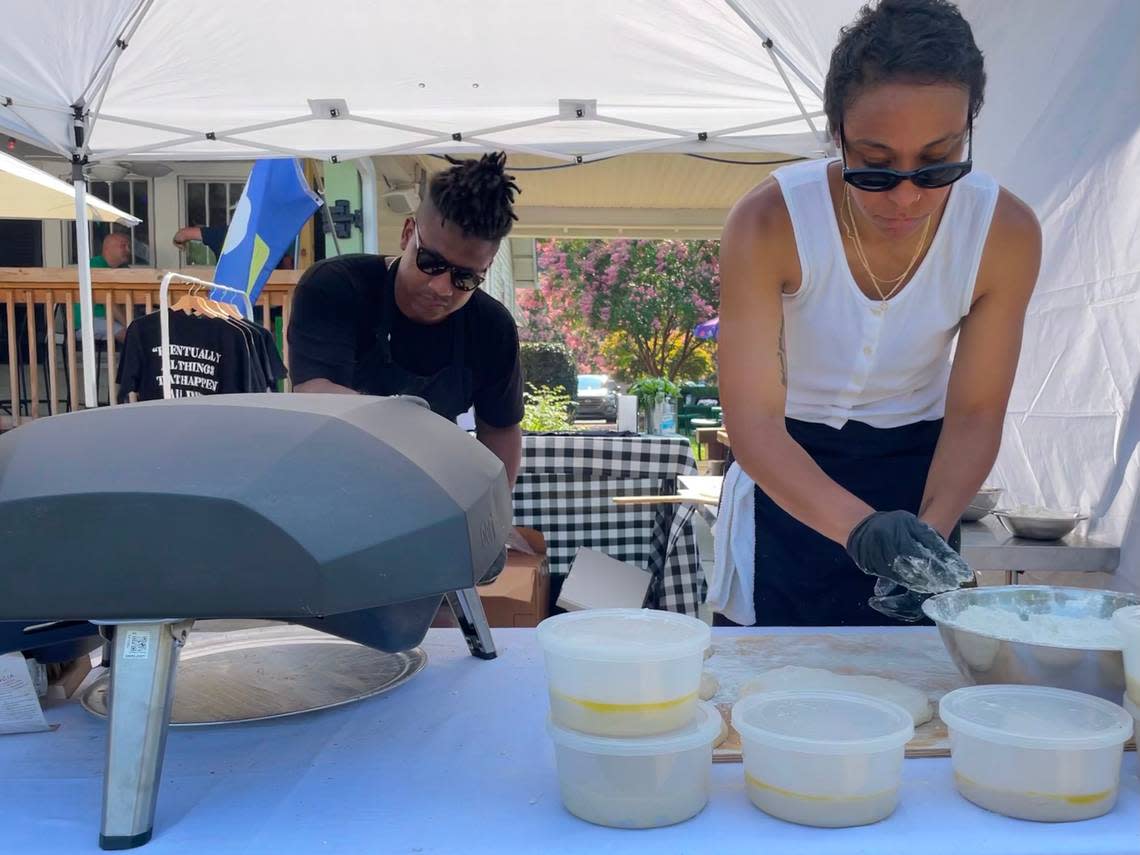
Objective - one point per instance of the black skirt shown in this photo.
(802, 577)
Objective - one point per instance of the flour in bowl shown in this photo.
(1060, 630)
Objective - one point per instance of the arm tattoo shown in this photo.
(781, 354)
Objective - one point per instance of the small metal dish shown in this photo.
(983, 503)
(1038, 523)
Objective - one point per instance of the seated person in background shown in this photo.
(114, 253)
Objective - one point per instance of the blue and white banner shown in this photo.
(275, 204)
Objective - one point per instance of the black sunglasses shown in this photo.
(881, 179)
(431, 263)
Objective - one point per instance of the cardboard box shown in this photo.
(597, 581)
(520, 595)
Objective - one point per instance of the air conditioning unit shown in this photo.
(402, 200)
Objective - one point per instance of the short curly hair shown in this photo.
(476, 195)
(924, 41)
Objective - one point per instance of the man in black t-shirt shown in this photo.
(417, 324)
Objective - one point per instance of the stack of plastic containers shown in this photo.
(633, 743)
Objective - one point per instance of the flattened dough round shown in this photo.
(795, 677)
(710, 685)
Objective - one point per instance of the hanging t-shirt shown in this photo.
(208, 356)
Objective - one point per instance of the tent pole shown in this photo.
(369, 204)
(86, 301)
(791, 89)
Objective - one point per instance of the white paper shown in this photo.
(707, 486)
(627, 413)
(19, 707)
(597, 581)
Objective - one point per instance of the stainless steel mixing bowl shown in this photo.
(988, 659)
(1038, 526)
(984, 502)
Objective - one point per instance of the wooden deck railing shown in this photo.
(39, 316)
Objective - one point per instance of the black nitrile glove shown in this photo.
(901, 548)
(905, 605)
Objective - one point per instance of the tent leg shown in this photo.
(143, 662)
(469, 614)
(369, 204)
(86, 299)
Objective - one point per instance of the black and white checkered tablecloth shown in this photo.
(565, 489)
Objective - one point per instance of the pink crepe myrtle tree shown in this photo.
(626, 306)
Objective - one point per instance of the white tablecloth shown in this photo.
(457, 760)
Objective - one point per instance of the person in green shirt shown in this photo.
(115, 252)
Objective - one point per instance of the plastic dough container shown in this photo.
(1126, 621)
(1034, 752)
(823, 758)
(642, 782)
(623, 672)
(1134, 711)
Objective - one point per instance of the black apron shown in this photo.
(447, 392)
(806, 579)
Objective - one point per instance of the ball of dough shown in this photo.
(709, 685)
(794, 677)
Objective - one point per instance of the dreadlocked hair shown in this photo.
(477, 196)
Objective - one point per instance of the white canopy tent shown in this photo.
(109, 79)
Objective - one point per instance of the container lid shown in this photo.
(823, 722)
(1035, 717)
(1127, 621)
(1131, 708)
(624, 635)
(698, 733)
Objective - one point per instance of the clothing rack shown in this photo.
(164, 317)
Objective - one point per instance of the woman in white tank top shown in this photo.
(845, 286)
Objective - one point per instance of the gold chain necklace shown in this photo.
(853, 235)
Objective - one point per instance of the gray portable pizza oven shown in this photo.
(353, 515)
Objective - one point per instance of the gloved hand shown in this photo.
(897, 602)
(899, 547)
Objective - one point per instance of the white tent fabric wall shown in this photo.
(1061, 129)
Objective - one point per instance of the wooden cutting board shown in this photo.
(916, 658)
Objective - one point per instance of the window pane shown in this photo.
(100, 189)
(236, 189)
(195, 203)
(140, 207)
(98, 232)
(216, 200)
(121, 195)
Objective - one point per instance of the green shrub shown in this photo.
(649, 390)
(549, 364)
(545, 409)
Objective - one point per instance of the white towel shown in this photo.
(730, 588)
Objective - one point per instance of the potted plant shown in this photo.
(657, 402)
